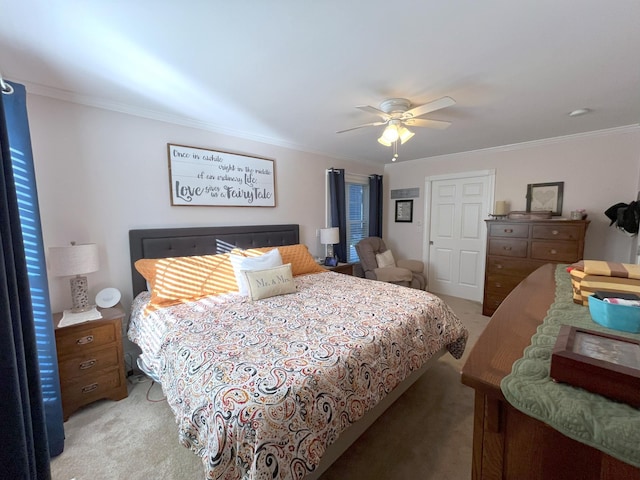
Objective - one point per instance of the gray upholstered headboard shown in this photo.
(183, 242)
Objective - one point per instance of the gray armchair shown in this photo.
(409, 273)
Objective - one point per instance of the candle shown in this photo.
(501, 208)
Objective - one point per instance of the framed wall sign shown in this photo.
(404, 210)
(204, 177)
(605, 364)
(545, 197)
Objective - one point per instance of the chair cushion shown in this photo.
(393, 274)
(385, 259)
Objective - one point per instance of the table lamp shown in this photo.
(77, 261)
(329, 237)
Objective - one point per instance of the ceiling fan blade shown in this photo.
(423, 122)
(374, 110)
(374, 124)
(430, 107)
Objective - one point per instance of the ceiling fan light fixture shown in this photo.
(391, 133)
(384, 141)
(405, 134)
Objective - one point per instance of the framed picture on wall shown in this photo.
(404, 210)
(545, 197)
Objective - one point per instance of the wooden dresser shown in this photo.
(508, 444)
(90, 360)
(515, 248)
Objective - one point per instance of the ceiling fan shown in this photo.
(397, 114)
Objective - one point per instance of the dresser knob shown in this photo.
(553, 252)
(554, 232)
(85, 340)
(498, 285)
(508, 230)
(506, 248)
(499, 266)
(88, 364)
(89, 388)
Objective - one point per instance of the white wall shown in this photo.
(101, 173)
(598, 170)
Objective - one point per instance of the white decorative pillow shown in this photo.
(261, 262)
(270, 282)
(385, 259)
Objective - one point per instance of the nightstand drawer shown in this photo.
(89, 364)
(85, 336)
(89, 390)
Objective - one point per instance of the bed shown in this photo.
(277, 386)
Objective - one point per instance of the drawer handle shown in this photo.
(498, 285)
(88, 364)
(89, 388)
(508, 230)
(555, 232)
(85, 340)
(506, 248)
(553, 252)
(499, 266)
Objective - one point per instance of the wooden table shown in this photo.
(508, 444)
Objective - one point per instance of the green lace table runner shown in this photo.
(609, 426)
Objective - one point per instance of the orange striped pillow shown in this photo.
(302, 262)
(176, 280)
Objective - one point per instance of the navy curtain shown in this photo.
(375, 206)
(338, 210)
(30, 429)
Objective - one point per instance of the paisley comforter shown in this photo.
(260, 389)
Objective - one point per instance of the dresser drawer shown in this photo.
(79, 338)
(509, 230)
(86, 390)
(491, 302)
(512, 266)
(557, 232)
(555, 251)
(498, 283)
(508, 247)
(89, 364)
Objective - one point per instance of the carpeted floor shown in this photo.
(426, 434)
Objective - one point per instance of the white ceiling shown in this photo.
(290, 72)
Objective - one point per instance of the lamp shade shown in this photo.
(73, 260)
(329, 236)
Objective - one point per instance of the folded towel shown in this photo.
(622, 301)
(607, 269)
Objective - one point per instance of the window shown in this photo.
(357, 199)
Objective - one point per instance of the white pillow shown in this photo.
(270, 282)
(385, 259)
(268, 260)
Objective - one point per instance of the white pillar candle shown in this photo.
(501, 208)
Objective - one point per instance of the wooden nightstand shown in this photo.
(346, 268)
(91, 360)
